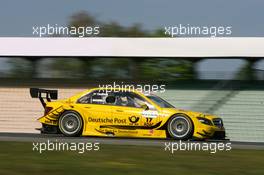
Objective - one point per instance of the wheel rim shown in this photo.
(70, 123)
(180, 127)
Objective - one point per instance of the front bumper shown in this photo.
(210, 132)
(219, 135)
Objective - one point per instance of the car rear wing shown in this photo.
(42, 94)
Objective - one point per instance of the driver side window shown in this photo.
(95, 97)
(129, 99)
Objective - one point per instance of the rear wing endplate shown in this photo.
(44, 94)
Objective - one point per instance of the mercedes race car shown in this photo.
(123, 113)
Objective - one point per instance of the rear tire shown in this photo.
(71, 124)
(180, 127)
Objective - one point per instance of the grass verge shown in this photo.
(17, 158)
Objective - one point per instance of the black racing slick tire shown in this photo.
(180, 127)
(71, 124)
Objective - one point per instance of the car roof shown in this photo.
(123, 89)
(113, 89)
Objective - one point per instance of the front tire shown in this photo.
(180, 127)
(71, 124)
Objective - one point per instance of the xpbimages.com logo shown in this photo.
(143, 88)
(80, 147)
(211, 147)
(56, 30)
(193, 30)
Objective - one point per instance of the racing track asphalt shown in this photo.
(30, 137)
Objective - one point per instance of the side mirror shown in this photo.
(145, 107)
(110, 100)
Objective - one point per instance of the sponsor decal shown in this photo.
(107, 120)
(148, 122)
(109, 132)
(151, 131)
(97, 100)
(129, 127)
(150, 114)
(127, 132)
(113, 132)
(133, 120)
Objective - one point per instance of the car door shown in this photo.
(96, 111)
(124, 114)
(134, 112)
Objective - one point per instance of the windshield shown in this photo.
(160, 102)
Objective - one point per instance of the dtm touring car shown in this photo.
(123, 113)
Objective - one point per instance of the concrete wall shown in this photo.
(19, 112)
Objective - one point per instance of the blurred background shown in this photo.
(163, 69)
(245, 17)
(231, 88)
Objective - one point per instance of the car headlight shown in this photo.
(204, 121)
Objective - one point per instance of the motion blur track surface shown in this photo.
(32, 137)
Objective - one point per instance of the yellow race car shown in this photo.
(123, 113)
